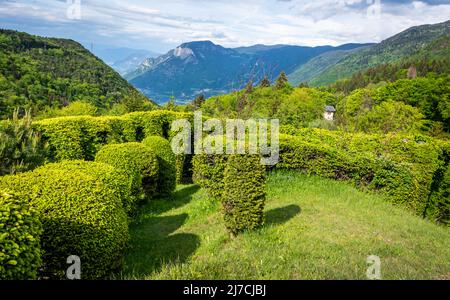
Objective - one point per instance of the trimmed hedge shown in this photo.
(439, 208)
(402, 167)
(167, 173)
(80, 137)
(20, 230)
(80, 206)
(208, 172)
(244, 193)
(138, 163)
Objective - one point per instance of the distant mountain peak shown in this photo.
(196, 44)
(183, 52)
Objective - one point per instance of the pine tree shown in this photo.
(303, 85)
(281, 81)
(265, 82)
(198, 101)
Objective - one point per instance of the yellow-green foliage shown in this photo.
(167, 163)
(138, 163)
(20, 230)
(403, 167)
(208, 172)
(244, 193)
(80, 206)
(81, 137)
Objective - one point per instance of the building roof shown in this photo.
(330, 108)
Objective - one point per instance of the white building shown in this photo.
(329, 113)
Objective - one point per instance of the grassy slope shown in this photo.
(315, 229)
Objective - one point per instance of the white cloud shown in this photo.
(160, 25)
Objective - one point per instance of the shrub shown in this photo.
(166, 161)
(79, 108)
(80, 206)
(439, 206)
(208, 172)
(401, 166)
(20, 230)
(137, 162)
(80, 137)
(244, 193)
(21, 148)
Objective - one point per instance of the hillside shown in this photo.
(403, 45)
(38, 73)
(204, 67)
(318, 65)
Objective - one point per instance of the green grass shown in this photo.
(315, 229)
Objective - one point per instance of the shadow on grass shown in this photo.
(281, 215)
(178, 198)
(153, 245)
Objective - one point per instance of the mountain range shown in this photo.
(202, 67)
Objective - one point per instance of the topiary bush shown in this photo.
(167, 173)
(80, 207)
(244, 193)
(138, 163)
(208, 172)
(20, 230)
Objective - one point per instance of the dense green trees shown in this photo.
(21, 148)
(39, 73)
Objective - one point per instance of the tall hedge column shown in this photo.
(244, 193)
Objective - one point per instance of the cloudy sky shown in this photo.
(160, 25)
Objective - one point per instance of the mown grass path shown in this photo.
(315, 229)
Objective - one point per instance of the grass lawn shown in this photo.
(315, 229)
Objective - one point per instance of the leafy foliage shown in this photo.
(20, 230)
(166, 161)
(244, 193)
(80, 206)
(81, 137)
(21, 147)
(208, 172)
(42, 73)
(138, 163)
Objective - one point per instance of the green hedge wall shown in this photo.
(81, 137)
(244, 193)
(439, 206)
(402, 167)
(138, 163)
(20, 230)
(80, 206)
(167, 173)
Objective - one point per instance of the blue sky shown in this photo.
(160, 25)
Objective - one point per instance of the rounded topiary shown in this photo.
(20, 230)
(137, 162)
(167, 164)
(80, 207)
(244, 193)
